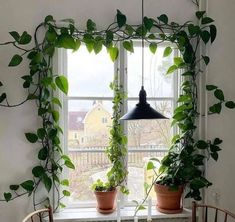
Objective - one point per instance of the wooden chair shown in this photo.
(220, 215)
(38, 215)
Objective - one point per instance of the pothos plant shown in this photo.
(41, 82)
(117, 148)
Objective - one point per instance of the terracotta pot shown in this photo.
(168, 200)
(105, 201)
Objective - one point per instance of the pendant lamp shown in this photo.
(142, 110)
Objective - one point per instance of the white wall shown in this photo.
(221, 73)
(17, 156)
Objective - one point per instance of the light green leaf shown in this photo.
(62, 84)
(128, 45)
(153, 47)
(167, 51)
(113, 52)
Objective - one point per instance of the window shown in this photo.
(88, 112)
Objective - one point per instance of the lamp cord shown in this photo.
(142, 43)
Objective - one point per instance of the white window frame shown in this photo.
(120, 66)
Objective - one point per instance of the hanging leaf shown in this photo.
(14, 187)
(47, 182)
(153, 47)
(207, 20)
(178, 61)
(69, 164)
(38, 171)
(171, 69)
(3, 97)
(62, 84)
(211, 87)
(41, 132)
(206, 59)
(230, 104)
(31, 137)
(113, 52)
(65, 182)
(219, 94)
(148, 22)
(28, 185)
(16, 60)
(91, 26)
(49, 18)
(25, 38)
(213, 32)
(200, 14)
(128, 45)
(150, 165)
(216, 108)
(66, 193)
(205, 35)
(15, 35)
(56, 101)
(163, 18)
(167, 51)
(7, 196)
(43, 153)
(121, 19)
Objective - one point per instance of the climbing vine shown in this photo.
(182, 164)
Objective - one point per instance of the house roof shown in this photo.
(76, 120)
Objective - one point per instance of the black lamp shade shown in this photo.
(143, 110)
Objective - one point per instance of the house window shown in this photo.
(89, 103)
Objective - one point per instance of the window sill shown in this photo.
(90, 214)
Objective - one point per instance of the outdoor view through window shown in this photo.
(89, 115)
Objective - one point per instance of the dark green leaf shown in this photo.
(199, 14)
(14, 187)
(3, 97)
(201, 144)
(28, 185)
(113, 52)
(25, 38)
(1, 84)
(188, 73)
(213, 32)
(172, 69)
(16, 60)
(230, 104)
(216, 108)
(128, 45)
(62, 84)
(41, 132)
(91, 26)
(7, 196)
(153, 47)
(69, 164)
(51, 35)
(66, 193)
(148, 22)
(193, 29)
(215, 156)
(47, 182)
(31, 137)
(48, 18)
(206, 59)
(167, 51)
(38, 171)
(52, 133)
(163, 18)
(121, 19)
(211, 87)
(42, 154)
(197, 184)
(15, 35)
(214, 148)
(141, 31)
(205, 35)
(219, 94)
(207, 20)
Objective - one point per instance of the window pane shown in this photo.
(88, 134)
(146, 139)
(156, 83)
(89, 74)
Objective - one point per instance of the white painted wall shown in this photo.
(221, 73)
(17, 156)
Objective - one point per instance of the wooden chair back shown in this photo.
(38, 215)
(219, 215)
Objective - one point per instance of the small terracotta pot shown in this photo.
(168, 200)
(106, 200)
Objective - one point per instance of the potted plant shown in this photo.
(116, 151)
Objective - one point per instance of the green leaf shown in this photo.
(77, 44)
(28, 185)
(217, 141)
(14, 187)
(215, 156)
(216, 108)
(201, 144)
(7, 196)
(121, 19)
(153, 47)
(16, 60)
(113, 52)
(172, 69)
(214, 148)
(69, 164)
(188, 73)
(38, 171)
(31, 137)
(128, 45)
(205, 35)
(1, 84)
(41, 132)
(219, 94)
(163, 18)
(25, 38)
(62, 84)
(230, 104)
(199, 14)
(3, 97)
(66, 41)
(178, 61)
(141, 207)
(65, 182)
(211, 87)
(65, 157)
(197, 184)
(150, 165)
(15, 35)
(213, 32)
(56, 101)
(66, 193)
(206, 59)
(91, 26)
(207, 20)
(167, 51)
(48, 18)
(52, 133)
(193, 29)
(42, 154)
(62, 205)
(148, 22)
(51, 35)
(98, 46)
(55, 115)
(47, 182)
